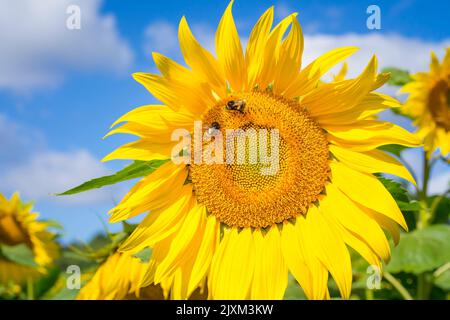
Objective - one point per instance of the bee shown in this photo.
(238, 105)
(213, 127)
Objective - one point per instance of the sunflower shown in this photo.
(240, 229)
(18, 226)
(121, 277)
(429, 104)
(116, 278)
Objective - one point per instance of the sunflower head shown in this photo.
(429, 104)
(19, 226)
(241, 226)
(122, 277)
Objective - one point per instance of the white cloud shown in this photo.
(37, 172)
(48, 172)
(161, 36)
(390, 49)
(38, 50)
(396, 50)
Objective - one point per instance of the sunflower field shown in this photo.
(256, 172)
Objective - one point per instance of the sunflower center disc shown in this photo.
(262, 193)
(439, 103)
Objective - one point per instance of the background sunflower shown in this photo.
(43, 150)
(27, 248)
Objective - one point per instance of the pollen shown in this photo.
(255, 192)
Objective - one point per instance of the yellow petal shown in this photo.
(182, 243)
(288, 65)
(272, 52)
(373, 161)
(385, 222)
(370, 105)
(381, 79)
(271, 274)
(229, 51)
(176, 95)
(342, 73)
(232, 266)
(302, 263)
(161, 223)
(366, 190)
(142, 150)
(205, 252)
(330, 249)
(200, 60)
(309, 77)
(341, 96)
(255, 48)
(355, 241)
(370, 134)
(157, 190)
(350, 216)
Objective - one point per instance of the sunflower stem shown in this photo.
(397, 285)
(30, 289)
(425, 215)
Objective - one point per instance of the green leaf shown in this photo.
(293, 290)
(135, 170)
(443, 280)
(45, 283)
(398, 77)
(20, 254)
(442, 210)
(128, 228)
(409, 206)
(400, 196)
(421, 250)
(396, 190)
(66, 294)
(393, 148)
(144, 255)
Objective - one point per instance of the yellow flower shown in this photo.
(122, 277)
(18, 226)
(240, 229)
(429, 104)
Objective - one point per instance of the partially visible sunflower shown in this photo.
(429, 104)
(19, 226)
(232, 225)
(116, 278)
(122, 277)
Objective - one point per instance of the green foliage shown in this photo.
(395, 149)
(46, 283)
(442, 209)
(442, 280)
(20, 254)
(128, 227)
(293, 290)
(421, 250)
(398, 77)
(144, 255)
(135, 170)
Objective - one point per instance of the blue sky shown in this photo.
(60, 89)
